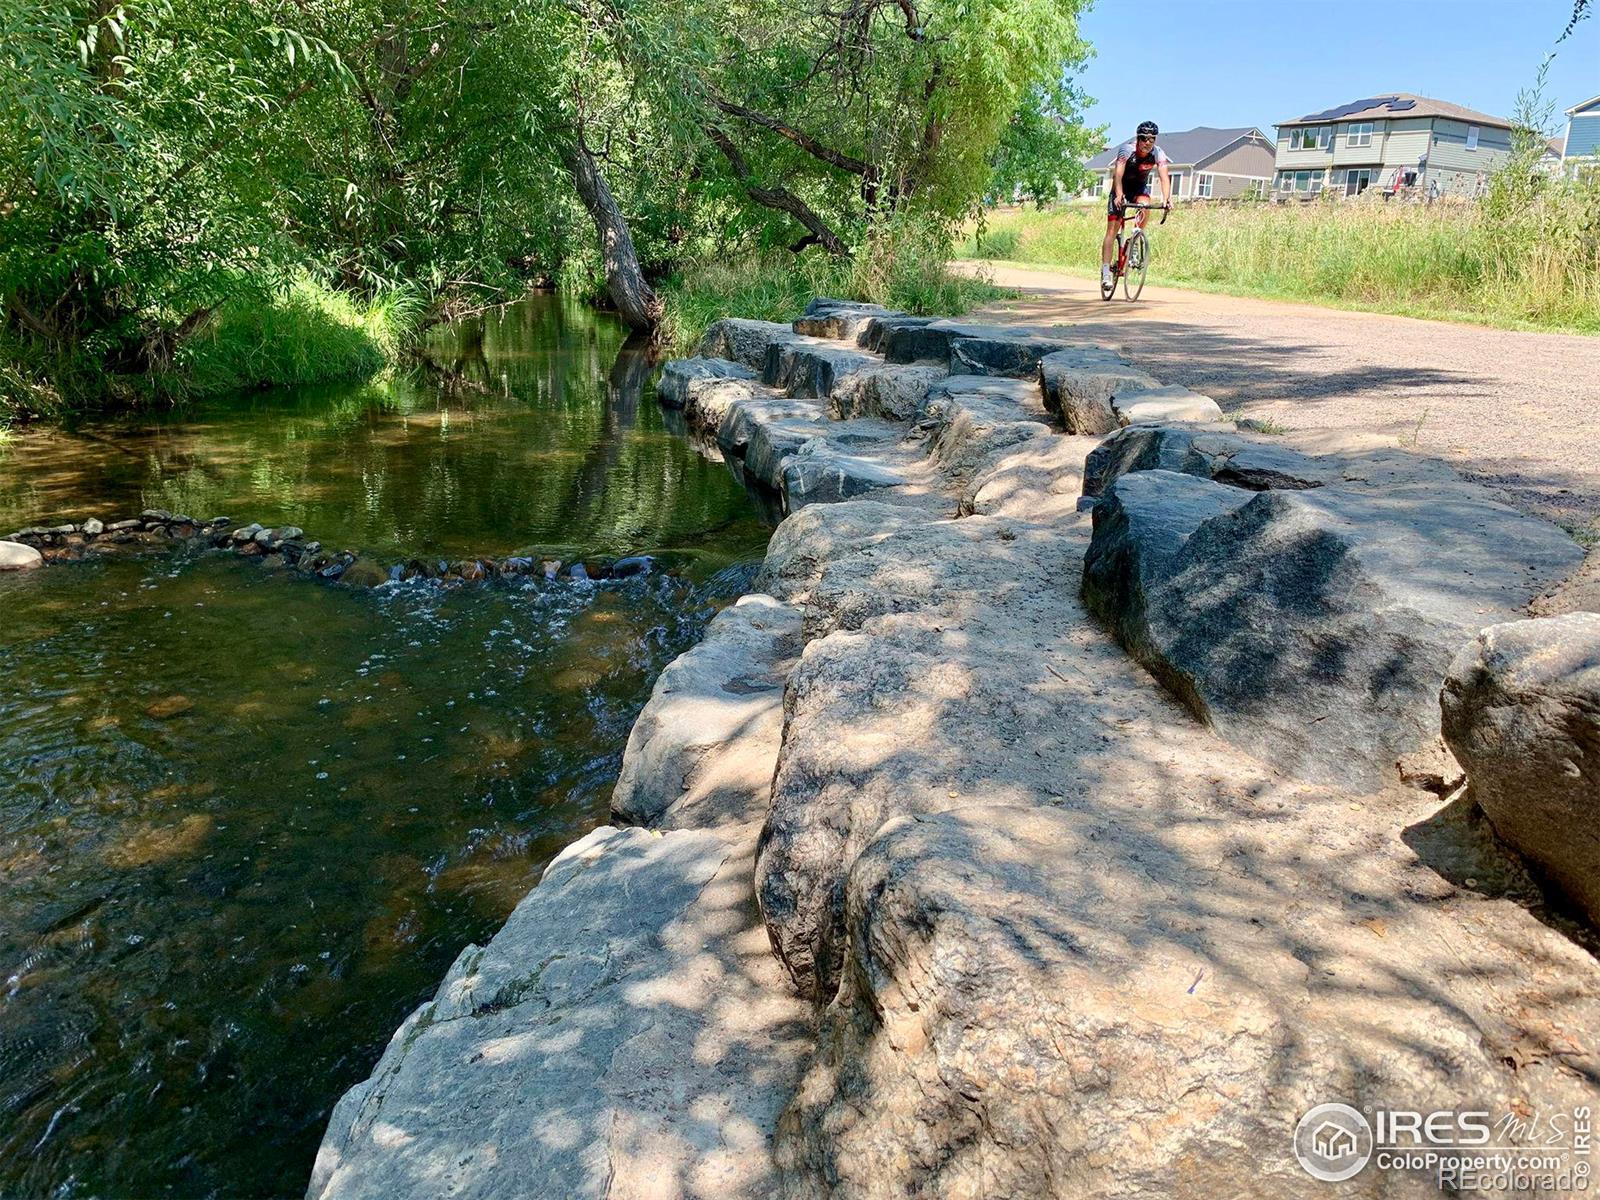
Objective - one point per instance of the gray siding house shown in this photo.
(1387, 141)
(1581, 146)
(1206, 163)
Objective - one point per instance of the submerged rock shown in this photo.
(1521, 712)
(14, 556)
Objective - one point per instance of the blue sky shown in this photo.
(1254, 62)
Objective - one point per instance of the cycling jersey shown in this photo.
(1136, 171)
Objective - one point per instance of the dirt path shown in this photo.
(1517, 411)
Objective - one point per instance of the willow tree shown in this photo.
(876, 107)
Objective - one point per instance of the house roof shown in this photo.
(1557, 146)
(1398, 104)
(1591, 102)
(1186, 147)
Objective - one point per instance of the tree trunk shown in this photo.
(625, 283)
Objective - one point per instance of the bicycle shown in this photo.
(1133, 255)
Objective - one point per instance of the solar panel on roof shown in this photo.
(1392, 103)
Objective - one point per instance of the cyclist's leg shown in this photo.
(1143, 212)
(1108, 246)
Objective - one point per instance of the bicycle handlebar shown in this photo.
(1166, 209)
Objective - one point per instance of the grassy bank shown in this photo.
(1538, 269)
(910, 275)
(307, 333)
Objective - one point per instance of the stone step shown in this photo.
(743, 341)
(813, 368)
(971, 349)
(682, 376)
(845, 320)
(1081, 385)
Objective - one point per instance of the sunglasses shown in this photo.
(1145, 137)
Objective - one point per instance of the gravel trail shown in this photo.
(1519, 412)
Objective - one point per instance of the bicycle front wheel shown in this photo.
(1138, 260)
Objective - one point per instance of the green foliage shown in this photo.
(173, 170)
(1045, 144)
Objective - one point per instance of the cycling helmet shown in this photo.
(1148, 127)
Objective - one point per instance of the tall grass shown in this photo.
(309, 333)
(1536, 265)
(905, 268)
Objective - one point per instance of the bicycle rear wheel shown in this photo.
(1138, 260)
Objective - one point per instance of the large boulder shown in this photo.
(846, 320)
(14, 556)
(812, 368)
(709, 734)
(1312, 628)
(1082, 385)
(744, 341)
(1167, 405)
(1521, 709)
(681, 376)
(892, 393)
(824, 471)
(1224, 457)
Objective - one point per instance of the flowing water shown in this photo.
(247, 819)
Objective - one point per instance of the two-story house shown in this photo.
(1204, 163)
(1581, 146)
(1387, 141)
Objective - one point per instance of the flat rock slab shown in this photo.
(1521, 711)
(1083, 385)
(680, 376)
(974, 418)
(743, 341)
(14, 556)
(810, 367)
(1312, 628)
(825, 471)
(707, 739)
(846, 320)
(969, 349)
(623, 1035)
(1040, 479)
(756, 407)
(773, 442)
(1227, 458)
(891, 393)
(1167, 406)
(803, 545)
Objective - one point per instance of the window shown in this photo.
(1308, 138)
(1360, 134)
(1177, 182)
(1202, 186)
(1099, 185)
(1472, 137)
(1300, 181)
(1358, 181)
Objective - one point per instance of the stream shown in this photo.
(248, 818)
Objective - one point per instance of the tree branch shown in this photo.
(805, 141)
(779, 199)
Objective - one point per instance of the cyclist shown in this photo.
(1130, 184)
